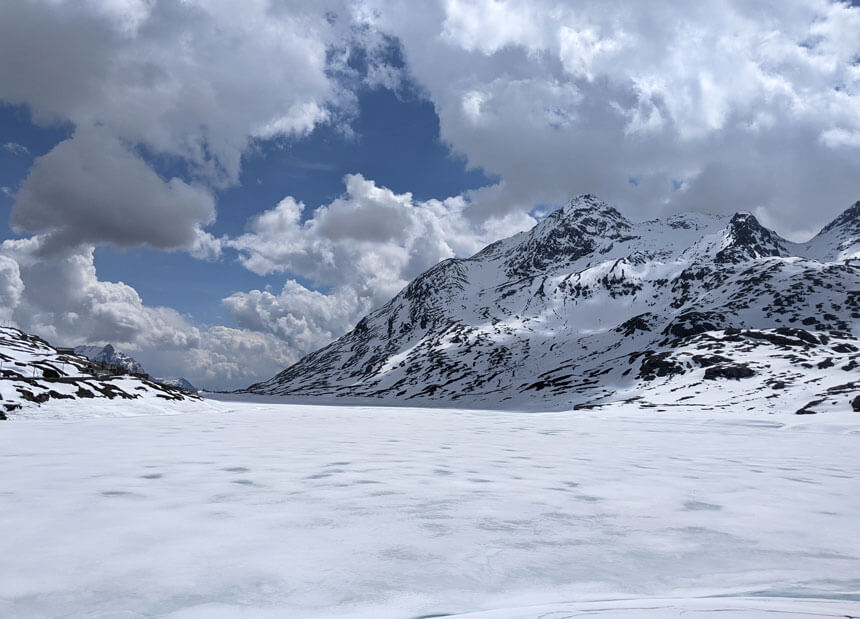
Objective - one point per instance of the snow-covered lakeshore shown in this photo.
(258, 509)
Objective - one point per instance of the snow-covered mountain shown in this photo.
(177, 383)
(110, 356)
(33, 372)
(588, 308)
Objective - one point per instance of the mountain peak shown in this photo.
(109, 355)
(747, 239)
(584, 225)
(850, 219)
(586, 205)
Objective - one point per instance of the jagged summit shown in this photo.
(109, 355)
(587, 205)
(588, 307)
(747, 239)
(585, 225)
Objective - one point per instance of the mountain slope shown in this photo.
(588, 307)
(109, 356)
(32, 372)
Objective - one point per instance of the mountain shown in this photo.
(839, 240)
(589, 308)
(177, 383)
(110, 356)
(32, 372)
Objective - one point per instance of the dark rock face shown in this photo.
(855, 404)
(587, 307)
(733, 371)
(748, 240)
(809, 408)
(659, 364)
(636, 324)
(694, 323)
(567, 234)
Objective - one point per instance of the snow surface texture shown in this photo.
(265, 510)
(589, 309)
(33, 373)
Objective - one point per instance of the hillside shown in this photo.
(32, 373)
(589, 308)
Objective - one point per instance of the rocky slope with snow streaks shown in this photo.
(589, 308)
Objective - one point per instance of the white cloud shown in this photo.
(224, 358)
(11, 287)
(62, 300)
(194, 79)
(91, 189)
(559, 98)
(193, 83)
(303, 319)
(364, 247)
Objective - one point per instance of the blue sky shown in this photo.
(219, 189)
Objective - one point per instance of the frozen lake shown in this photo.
(256, 509)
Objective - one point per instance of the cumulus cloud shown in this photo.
(11, 287)
(304, 319)
(191, 79)
(363, 247)
(90, 189)
(194, 83)
(224, 358)
(691, 101)
(63, 300)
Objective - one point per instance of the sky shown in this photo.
(220, 188)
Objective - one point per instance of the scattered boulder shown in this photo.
(855, 404)
(808, 409)
(637, 323)
(692, 323)
(659, 364)
(706, 361)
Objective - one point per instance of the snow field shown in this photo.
(263, 510)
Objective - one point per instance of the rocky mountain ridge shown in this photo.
(32, 373)
(589, 308)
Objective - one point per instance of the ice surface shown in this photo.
(258, 509)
